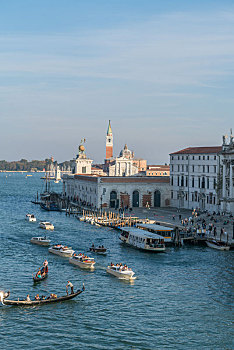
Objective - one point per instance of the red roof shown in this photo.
(199, 150)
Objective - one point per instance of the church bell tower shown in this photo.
(109, 142)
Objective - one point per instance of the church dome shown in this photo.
(126, 153)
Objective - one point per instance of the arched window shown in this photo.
(135, 199)
(157, 198)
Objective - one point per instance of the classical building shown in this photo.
(115, 192)
(202, 177)
(81, 164)
(122, 165)
(227, 175)
(194, 178)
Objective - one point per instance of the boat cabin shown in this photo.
(142, 240)
(166, 232)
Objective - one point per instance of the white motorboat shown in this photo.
(46, 225)
(40, 241)
(30, 218)
(61, 250)
(217, 245)
(120, 271)
(83, 261)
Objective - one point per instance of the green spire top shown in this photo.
(109, 130)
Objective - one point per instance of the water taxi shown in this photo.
(83, 261)
(142, 240)
(217, 245)
(61, 250)
(46, 225)
(40, 241)
(30, 218)
(121, 271)
(99, 250)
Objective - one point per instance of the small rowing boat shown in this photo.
(39, 302)
(217, 245)
(30, 218)
(39, 279)
(46, 225)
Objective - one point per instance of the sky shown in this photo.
(161, 70)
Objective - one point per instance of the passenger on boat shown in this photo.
(38, 275)
(37, 297)
(28, 298)
(69, 284)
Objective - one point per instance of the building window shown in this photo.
(178, 157)
(214, 183)
(186, 196)
(172, 157)
(203, 157)
(192, 181)
(187, 168)
(203, 185)
(214, 157)
(208, 168)
(178, 181)
(172, 168)
(192, 197)
(172, 180)
(213, 200)
(199, 182)
(182, 180)
(193, 168)
(83, 169)
(203, 169)
(182, 157)
(193, 157)
(207, 200)
(182, 168)
(178, 168)
(208, 183)
(208, 157)
(214, 168)
(186, 181)
(199, 157)
(187, 157)
(171, 194)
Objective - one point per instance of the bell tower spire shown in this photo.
(109, 142)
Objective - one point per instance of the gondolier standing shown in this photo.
(69, 284)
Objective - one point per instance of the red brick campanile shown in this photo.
(109, 142)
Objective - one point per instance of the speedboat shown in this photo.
(217, 245)
(46, 225)
(99, 250)
(120, 271)
(61, 250)
(83, 261)
(30, 218)
(40, 241)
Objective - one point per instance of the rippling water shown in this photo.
(181, 299)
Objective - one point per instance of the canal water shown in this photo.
(181, 299)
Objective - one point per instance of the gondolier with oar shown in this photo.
(69, 284)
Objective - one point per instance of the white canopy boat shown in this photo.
(61, 250)
(120, 271)
(217, 245)
(46, 225)
(30, 218)
(83, 261)
(40, 241)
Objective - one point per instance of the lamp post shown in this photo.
(101, 204)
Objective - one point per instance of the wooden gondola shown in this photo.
(43, 276)
(40, 302)
(100, 250)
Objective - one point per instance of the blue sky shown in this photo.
(162, 71)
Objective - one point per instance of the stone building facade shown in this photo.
(117, 192)
(194, 178)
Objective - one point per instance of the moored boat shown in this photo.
(83, 261)
(30, 218)
(217, 245)
(142, 240)
(44, 241)
(46, 225)
(18, 302)
(121, 271)
(61, 250)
